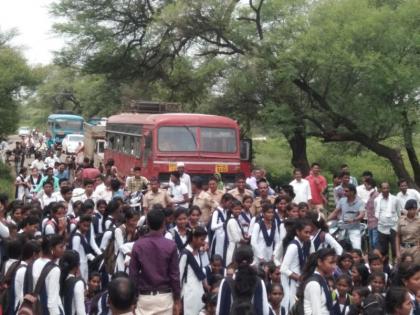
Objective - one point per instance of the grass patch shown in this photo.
(274, 156)
(6, 181)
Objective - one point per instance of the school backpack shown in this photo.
(5, 284)
(110, 258)
(31, 304)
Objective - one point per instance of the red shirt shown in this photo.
(90, 173)
(317, 188)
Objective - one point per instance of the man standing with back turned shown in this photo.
(155, 271)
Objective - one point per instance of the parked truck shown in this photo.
(94, 142)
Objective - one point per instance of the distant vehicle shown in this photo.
(60, 125)
(94, 142)
(72, 142)
(24, 131)
(206, 144)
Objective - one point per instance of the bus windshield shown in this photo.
(172, 139)
(68, 124)
(221, 140)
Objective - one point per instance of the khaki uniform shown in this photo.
(240, 196)
(257, 204)
(136, 184)
(161, 197)
(409, 231)
(206, 204)
(217, 195)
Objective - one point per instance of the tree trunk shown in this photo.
(409, 147)
(297, 143)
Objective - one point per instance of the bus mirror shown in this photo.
(246, 149)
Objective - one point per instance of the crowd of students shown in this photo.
(250, 249)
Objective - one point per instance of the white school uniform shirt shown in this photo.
(302, 190)
(45, 200)
(290, 262)
(410, 194)
(4, 230)
(387, 211)
(178, 192)
(314, 299)
(235, 235)
(8, 264)
(329, 241)
(279, 251)
(78, 303)
(19, 280)
(261, 250)
(52, 285)
(84, 257)
(363, 193)
(186, 179)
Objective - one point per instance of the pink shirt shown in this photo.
(317, 188)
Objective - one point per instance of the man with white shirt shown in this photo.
(48, 196)
(406, 193)
(178, 191)
(365, 189)
(51, 159)
(184, 177)
(387, 211)
(301, 188)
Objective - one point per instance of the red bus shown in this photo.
(207, 144)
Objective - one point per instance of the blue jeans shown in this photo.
(373, 238)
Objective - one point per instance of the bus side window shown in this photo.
(118, 144)
(111, 141)
(137, 147)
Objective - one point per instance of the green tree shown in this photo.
(15, 75)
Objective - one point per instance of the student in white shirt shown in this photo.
(406, 193)
(297, 249)
(30, 252)
(48, 196)
(80, 243)
(52, 248)
(72, 287)
(265, 235)
(301, 187)
(178, 190)
(317, 298)
(321, 238)
(235, 233)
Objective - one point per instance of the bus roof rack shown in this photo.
(148, 107)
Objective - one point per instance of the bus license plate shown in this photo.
(221, 168)
(172, 167)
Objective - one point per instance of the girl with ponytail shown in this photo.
(297, 247)
(193, 279)
(314, 290)
(72, 287)
(246, 294)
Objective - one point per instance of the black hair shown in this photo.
(315, 164)
(197, 181)
(122, 294)
(266, 206)
(372, 257)
(280, 198)
(49, 241)
(289, 190)
(130, 213)
(155, 219)
(367, 173)
(246, 277)
(377, 274)
(29, 249)
(69, 261)
(199, 231)
(298, 225)
(89, 204)
(4, 199)
(111, 207)
(240, 176)
(47, 182)
(346, 278)
(317, 220)
(364, 273)
(136, 168)
(85, 218)
(115, 184)
(56, 206)
(394, 299)
(101, 202)
(65, 190)
(176, 174)
(344, 173)
(227, 197)
(30, 220)
(88, 181)
(209, 299)
(119, 274)
(215, 258)
(194, 208)
(411, 204)
(246, 197)
(168, 212)
(402, 180)
(271, 286)
(405, 272)
(180, 211)
(93, 274)
(311, 265)
(236, 203)
(14, 249)
(352, 188)
(343, 256)
(362, 291)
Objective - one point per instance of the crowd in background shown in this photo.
(101, 243)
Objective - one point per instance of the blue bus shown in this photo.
(60, 125)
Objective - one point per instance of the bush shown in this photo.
(6, 181)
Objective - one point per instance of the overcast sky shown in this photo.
(34, 24)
